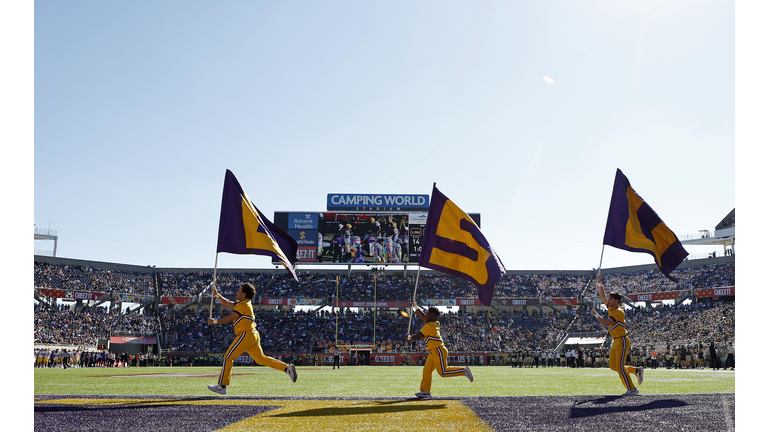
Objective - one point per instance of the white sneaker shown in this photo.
(468, 374)
(217, 389)
(632, 392)
(291, 371)
(424, 395)
(639, 374)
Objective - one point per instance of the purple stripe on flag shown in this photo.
(621, 212)
(648, 220)
(232, 238)
(492, 266)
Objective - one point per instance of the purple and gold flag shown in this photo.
(243, 229)
(634, 226)
(453, 244)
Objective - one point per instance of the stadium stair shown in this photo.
(44, 301)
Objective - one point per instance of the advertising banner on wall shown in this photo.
(85, 295)
(375, 359)
(52, 292)
(468, 302)
(274, 301)
(305, 301)
(716, 292)
(291, 301)
(134, 298)
(517, 302)
(440, 302)
(378, 304)
(175, 300)
(565, 301)
(655, 297)
(132, 340)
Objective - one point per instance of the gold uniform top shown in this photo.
(245, 320)
(431, 332)
(617, 329)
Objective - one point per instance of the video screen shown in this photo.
(358, 238)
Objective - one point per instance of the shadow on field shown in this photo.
(379, 407)
(142, 415)
(124, 404)
(622, 406)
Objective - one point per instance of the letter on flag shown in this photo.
(243, 229)
(453, 244)
(634, 226)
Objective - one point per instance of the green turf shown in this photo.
(375, 381)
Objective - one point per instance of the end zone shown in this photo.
(700, 412)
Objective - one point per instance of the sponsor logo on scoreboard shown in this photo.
(302, 221)
(307, 254)
(304, 237)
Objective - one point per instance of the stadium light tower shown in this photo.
(47, 234)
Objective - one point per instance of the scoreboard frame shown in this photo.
(356, 237)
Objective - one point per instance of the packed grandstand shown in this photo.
(536, 318)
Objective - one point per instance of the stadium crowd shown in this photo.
(303, 331)
(68, 325)
(688, 324)
(360, 286)
(654, 281)
(520, 338)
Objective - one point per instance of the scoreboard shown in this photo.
(357, 237)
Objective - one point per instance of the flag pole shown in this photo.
(599, 266)
(213, 284)
(601, 259)
(413, 301)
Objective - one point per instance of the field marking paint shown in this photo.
(166, 375)
(354, 414)
(727, 413)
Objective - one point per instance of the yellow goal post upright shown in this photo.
(375, 313)
(336, 340)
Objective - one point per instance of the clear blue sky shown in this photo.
(140, 107)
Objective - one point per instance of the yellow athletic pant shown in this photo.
(438, 360)
(247, 342)
(618, 356)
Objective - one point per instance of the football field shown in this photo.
(379, 398)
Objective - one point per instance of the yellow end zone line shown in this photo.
(347, 415)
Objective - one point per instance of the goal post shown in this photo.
(361, 353)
